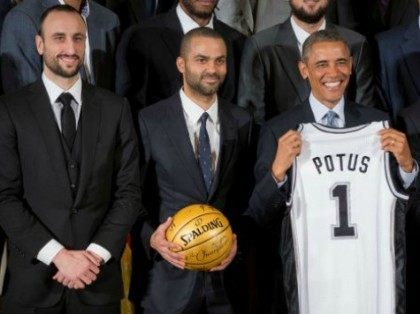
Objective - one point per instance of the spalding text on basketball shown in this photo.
(194, 234)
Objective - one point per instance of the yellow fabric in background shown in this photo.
(126, 266)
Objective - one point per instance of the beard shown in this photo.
(57, 69)
(197, 85)
(309, 17)
(203, 14)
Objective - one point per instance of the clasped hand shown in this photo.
(76, 269)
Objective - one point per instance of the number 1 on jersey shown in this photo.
(340, 192)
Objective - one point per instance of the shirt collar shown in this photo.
(54, 91)
(187, 23)
(300, 33)
(319, 109)
(194, 111)
(84, 10)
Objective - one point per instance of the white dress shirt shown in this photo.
(50, 250)
(319, 110)
(301, 34)
(87, 62)
(192, 114)
(187, 23)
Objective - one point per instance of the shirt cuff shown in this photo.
(280, 183)
(49, 251)
(100, 250)
(409, 177)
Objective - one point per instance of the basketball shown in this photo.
(204, 234)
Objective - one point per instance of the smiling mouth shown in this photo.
(332, 85)
(68, 59)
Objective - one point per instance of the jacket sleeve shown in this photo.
(268, 201)
(21, 63)
(22, 227)
(126, 204)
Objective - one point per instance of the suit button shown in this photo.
(74, 210)
(73, 186)
(72, 166)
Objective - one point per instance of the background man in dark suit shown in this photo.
(399, 66)
(154, 47)
(172, 136)
(270, 82)
(21, 63)
(375, 16)
(132, 12)
(327, 64)
(409, 122)
(69, 181)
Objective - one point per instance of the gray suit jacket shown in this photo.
(237, 14)
(270, 82)
(21, 63)
(272, 12)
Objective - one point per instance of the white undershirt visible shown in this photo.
(50, 250)
(319, 110)
(192, 114)
(301, 34)
(187, 23)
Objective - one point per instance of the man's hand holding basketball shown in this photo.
(165, 248)
(225, 263)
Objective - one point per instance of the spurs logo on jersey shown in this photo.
(343, 210)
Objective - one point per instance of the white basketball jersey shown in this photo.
(342, 216)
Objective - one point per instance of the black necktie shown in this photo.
(68, 120)
(204, 152)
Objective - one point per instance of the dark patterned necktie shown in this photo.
(68, 120)
(204, 152)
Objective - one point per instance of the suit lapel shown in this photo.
(307, 114)
(39, 103)
(228, 139)
(411, 52)
(173, 33)
(289, 54)
(352, 115)
(176, 128)
(91, 117)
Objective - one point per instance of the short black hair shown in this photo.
(330, 35)
(198, 32)
(56, 8)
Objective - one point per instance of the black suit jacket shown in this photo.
(36, 202)
(152, 53)
(371, 20)
(409, 122)
(399, 66)
(270, 82)
(132, 12)
(171, 169)
(267, 206)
